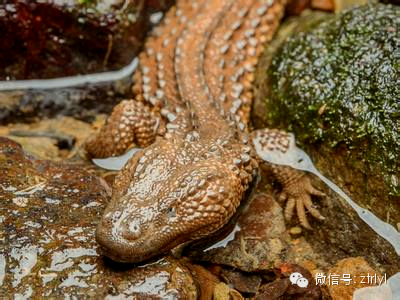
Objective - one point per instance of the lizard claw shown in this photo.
(283, 196)
(298, 194)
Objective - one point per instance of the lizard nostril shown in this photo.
(171, 212)
(130, 232)
(129, 235)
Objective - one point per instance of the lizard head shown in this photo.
(166, 195)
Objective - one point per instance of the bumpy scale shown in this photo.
(191, 112)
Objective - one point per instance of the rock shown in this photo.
(205, 280)
(274, 289)
(259, 240)
(285, 286)
(48, 215)
(350, 274)
(295, 230)
(50, 39)
(343, 233)
(51, 138)
(341, 5)
(245, 283)
(83, 102)
(389, 290)
(295, 7)
(331, 84)
(335, 5)
(223, 292)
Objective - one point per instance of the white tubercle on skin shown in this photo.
(115, 163)
(155, 18)
(298, 159)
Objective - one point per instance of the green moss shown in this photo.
(339, 83)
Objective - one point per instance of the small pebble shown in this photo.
(295, 230)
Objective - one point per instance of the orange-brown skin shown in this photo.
(191, 112)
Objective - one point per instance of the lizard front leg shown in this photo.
(130, 122)
(275, 148)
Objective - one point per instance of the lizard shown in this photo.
(191, 117)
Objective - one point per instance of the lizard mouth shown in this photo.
(123, 250)
(123, 246)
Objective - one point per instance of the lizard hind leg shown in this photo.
(275, 148)
(130, 122)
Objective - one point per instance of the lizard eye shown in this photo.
(171, 212)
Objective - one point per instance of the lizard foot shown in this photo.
(279, 152)
(130, 122)
(298, 194)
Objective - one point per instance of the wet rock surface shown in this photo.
(351, 274)
(52, 39)
(84, 102)
(53, 139)
(48, 215)
(336, 84)
(47, 39)
(259, 240)
(263, 241)
(342, 234)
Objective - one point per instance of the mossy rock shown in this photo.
(337, 84)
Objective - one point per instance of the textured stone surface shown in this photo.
(343, 233)
(352, 273)
(82, 102)
(336, 83)
(48, 214)
(259, 239)
(53, 139)
(47, 39)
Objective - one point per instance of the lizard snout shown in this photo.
(130, 231)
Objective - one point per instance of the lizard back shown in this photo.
(202, 58)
